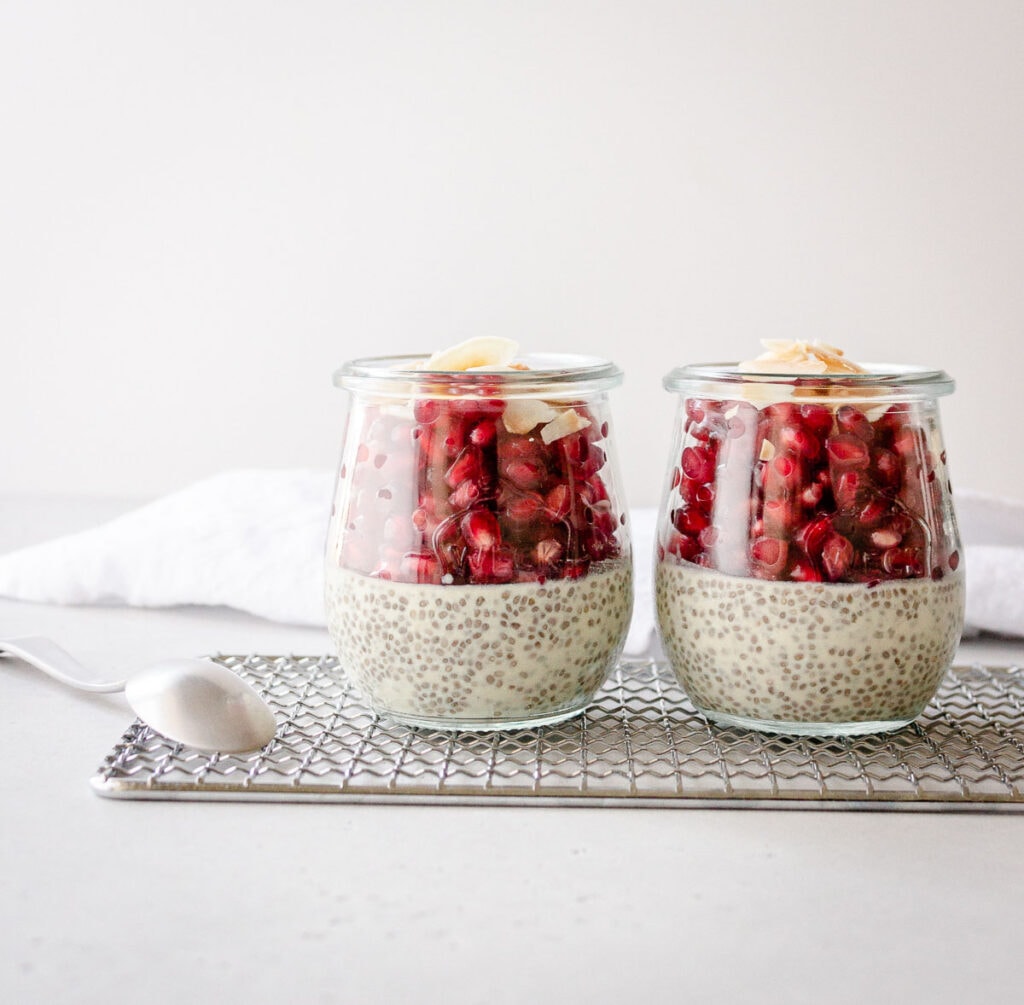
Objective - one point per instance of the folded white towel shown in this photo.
(254, 540)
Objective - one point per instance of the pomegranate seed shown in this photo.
(954, 560)
(708, 538)
(770, 555)
(817, 419)
(524, 474)
(559, 500)
(420, 567)
(873, 512)
(362, 453)
(426, 410)
(811, 537)
(887, 468)
(885, 538)
(492, 566)
(547, 552)
(466, 465)
(803, 571)
(684, 546)
(484, 433)
(480, 529)
(854, 421)
(849, 488)
(694, 410)
(698, 463)
(800, 442)
(811, 495)
(836, 556)
(847, 450)
(466, 494)
(575, 568)
(524, 508)
(704, 497)
(676, 477)
(903, 562)
(780, 518)
(690, 521)
(909, 442)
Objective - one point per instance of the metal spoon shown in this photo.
(196, 702)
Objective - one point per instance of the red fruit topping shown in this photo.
(811, 537)
(698, 464)
(903, 563)
(420, 567)
(686, 547)
(467, 465)
(466, 494)
(954, 560)
(480, 530)
(484, 433)
(362, 453)
(852, 420)
(548, 552)
(690, 521)
(768, 556)
(817, 419)
(524, 474)
(846, 450)
(492, 566)
(836, 556)
(803, 571)
(559, 500)
(885, 538)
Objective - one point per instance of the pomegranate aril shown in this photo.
(686, 547)
(874, 510)
(690, 521)
(847, 451)
(804, 571)
(484, 433)
(885, 537)
(698, 463)
(779, 517)
(811, 537)
(466, 494)
(854, 421)
(548, 552)
(954, 560)
(420, 567)
(817, 419)
(492, 566)
(480, 529)
(523, 508)
(575, 568)
(559, 500)
(466, 465)
(426, 410)
(768, 557)
(836, 556)
(524, 474)
(905, 563)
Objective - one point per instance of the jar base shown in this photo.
(454, 725)
(822, 729)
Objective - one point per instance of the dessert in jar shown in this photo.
(478, 568)
(808, 569)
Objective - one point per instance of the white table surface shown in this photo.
(110, 900)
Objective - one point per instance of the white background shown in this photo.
(207, 207)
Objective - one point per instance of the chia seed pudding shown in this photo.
(479, 656)
(805, 655)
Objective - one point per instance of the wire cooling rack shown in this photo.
(640, 743)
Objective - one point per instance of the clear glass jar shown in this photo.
(808, 569)
(478, 557)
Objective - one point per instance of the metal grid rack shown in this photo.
(640, 743)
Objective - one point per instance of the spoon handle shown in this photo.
(51, 659)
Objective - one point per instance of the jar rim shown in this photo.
(548, 371)
(894, 378)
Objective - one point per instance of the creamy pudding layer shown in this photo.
(808, 652)
(480, 654)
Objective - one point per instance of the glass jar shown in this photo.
(808, 569)
(478, 557)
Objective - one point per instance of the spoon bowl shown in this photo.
(192, 701)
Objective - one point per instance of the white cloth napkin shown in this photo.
(254, 540)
